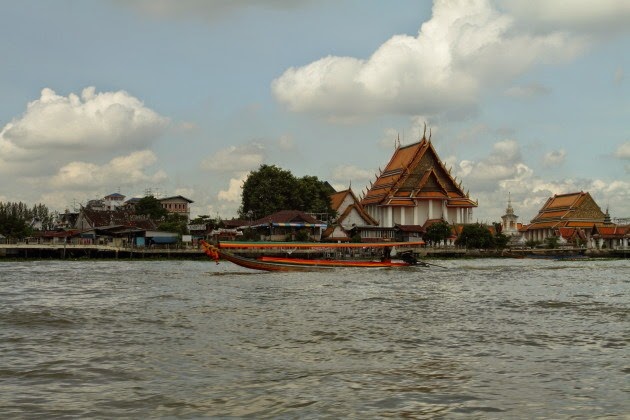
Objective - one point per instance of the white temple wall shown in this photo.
(418, 215)
(422, 213)
(408, 215)
(451, 215)
(354, 218)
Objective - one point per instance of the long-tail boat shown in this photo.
(223, 250)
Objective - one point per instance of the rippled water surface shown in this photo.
(480, 339)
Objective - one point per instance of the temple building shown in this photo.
(350, 215)
(416, 187)
(610, 236)
(509, 221)
(571, 216)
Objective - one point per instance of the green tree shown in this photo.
(475, 236)
(151, 207)
(270, 189)
(552, 242)
(14, 220)
(267, 190)
(532, 243)
(314, 196)
(302, 235)
(174, 223)
(438, 232)
(501, 240)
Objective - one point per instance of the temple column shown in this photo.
(402, 216)
(416, 211)
(430, 209)
(389, 217)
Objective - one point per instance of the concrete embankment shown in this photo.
(60, 251)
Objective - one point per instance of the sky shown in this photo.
(523, 99)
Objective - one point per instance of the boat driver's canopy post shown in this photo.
(387, 253)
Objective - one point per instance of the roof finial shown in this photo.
(424, 134)
(429, 134)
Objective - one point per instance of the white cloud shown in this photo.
(554, 158)
(623, 151)
(465, 47)
(234, 190)
(56, 129)
(346, 174)
(236, 158)
(124, 170)
(601, 16)
(503, 171)
(503, 163)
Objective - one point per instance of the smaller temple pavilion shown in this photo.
(350, 215)
(571, 216)
(415, 187)
(509, 221)
(609, 235)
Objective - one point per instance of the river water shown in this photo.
(485, 338)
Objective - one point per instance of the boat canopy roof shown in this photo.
(292, 224)
(318, 244)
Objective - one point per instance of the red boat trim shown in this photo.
(335, 263)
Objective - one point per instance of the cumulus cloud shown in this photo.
(233, 192)
(123, 170)
(465, 47)
(56, 128)
(504, 162)
(504, 172)
(601, 16)
(236, 158)
(554, 158)
(345, 174)
(623, 151)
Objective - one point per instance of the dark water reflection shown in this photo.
(482, 339)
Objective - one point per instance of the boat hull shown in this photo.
(268, 263)
(262, 265)
(334, 263)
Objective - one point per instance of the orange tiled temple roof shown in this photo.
(415, 172)
(573, 210)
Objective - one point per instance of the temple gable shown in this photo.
(416, 185)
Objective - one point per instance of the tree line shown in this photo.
(270, 189)
(16, 219)
(265, 191)
(472, 236)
